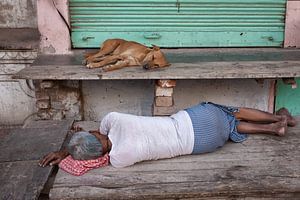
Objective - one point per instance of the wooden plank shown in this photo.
(33, 142)
(261, 167)
(186, 64)
(22, 179)
(21, 148)
(47, 124)
(4, 132)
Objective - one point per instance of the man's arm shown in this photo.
(53, 158)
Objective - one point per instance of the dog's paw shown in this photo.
(84, 62)
(90, 65)
(106, 68)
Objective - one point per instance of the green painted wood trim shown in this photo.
(181, 39)
(185, 1)
(288, 97)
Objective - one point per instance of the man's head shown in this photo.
(85, 146)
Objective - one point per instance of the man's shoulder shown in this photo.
(113, 116)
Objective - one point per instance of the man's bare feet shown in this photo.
(280, 128)
(290, 119)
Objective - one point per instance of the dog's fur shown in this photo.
(118, 53)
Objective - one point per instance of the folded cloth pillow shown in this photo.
(79, 167)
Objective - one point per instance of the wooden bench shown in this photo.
(234, 63)
(229, 63)
(262, 167)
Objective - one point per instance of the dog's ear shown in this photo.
(156, 48)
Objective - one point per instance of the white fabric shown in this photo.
(137, 138)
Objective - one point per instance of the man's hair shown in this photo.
(84, 146)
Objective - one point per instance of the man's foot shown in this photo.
(280, 128)
(290, 119)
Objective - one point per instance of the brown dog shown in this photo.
(117, 53)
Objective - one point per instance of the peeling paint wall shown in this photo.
(17, 98)
(58, 99)
(18, 14)
(292, 24)
(238, 92)
(55, 35)
(286, 96)
(101, 97)
(136, 97)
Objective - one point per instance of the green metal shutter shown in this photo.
(179, 23)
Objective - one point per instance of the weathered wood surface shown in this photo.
(186, 64)
(22, 179)
(33, 142)
(21, 148)
(263, 167)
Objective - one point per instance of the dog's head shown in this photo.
(155, 59)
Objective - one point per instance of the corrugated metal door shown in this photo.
(179, 23)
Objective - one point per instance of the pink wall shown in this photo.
(55, 36)
(292, 24)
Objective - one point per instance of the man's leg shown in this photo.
(254, 115)
(277, 128)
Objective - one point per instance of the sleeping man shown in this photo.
(129, 139)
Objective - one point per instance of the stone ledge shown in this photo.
(19, 38)
(226, 63)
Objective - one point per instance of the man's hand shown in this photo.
(53, 158)
(94, 132)
(77, 128)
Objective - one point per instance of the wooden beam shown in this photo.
(185, 64)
